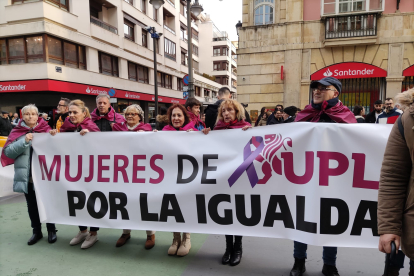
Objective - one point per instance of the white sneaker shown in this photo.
(89, 241)
(80, 237)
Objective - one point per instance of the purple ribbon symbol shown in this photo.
(247, 164)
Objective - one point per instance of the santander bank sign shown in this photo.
(349, 70)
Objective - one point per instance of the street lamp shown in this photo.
(238, 27)
(157, 3)
(196, 9)
(155, 36)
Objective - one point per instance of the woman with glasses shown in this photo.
(134, 122)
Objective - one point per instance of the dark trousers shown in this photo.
(229, 239)
(329, 253)
(398, 260)
(82, 228)
(34, 212)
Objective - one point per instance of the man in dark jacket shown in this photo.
(289, 114)
(390, 114)
(272, 116)
(104, 116)
(5, 125)
(371, 118)
(212, 109)
(325, 107)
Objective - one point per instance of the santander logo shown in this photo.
(96, 91)
(88, 90)
(12, 87)
(328, 73)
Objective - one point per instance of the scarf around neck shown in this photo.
(232, 125)
(111, 116)
(188, 126)
(196, 119)
(87, 123)
(124, 127)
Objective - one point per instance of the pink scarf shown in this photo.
(124, 127)
(232, 125)
(86, 124)
(190, 125)
(338, 113)
(111, 116)
(19, 131)
(196, 119)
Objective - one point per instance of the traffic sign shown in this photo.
(111, 92)
(186, 80)
(185, 95)
(185, 89)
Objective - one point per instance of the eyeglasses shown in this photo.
(131, 114)
(323, 89)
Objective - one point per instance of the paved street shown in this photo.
(262, 256)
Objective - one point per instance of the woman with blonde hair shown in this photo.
(231, 116)
(134, 122)
(79, 120)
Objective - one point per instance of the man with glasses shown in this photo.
(390, 114)
(327, 108)
(62, 113)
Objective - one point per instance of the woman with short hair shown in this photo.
(179, 120)
(79, 120)
(231, 116)
(18, 151)
(134, 116)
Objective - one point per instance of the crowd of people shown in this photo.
(395, 214)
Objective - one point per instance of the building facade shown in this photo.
(77, 49)
(284, 44)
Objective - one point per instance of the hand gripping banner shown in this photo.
(309, 182)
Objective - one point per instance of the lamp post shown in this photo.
(238, 27)
(196, 9)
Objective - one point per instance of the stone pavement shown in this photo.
(262, 256)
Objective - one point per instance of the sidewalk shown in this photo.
(262, 256)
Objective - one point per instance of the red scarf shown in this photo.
(338, 113)
(19, 131)
(232, 125)
(196, 119)
(111, 116)
(190, 125)
(124, 127)
(68, 126)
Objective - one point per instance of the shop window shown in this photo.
(129, 30)
(169, 49)
(108, 65)
(16, 50)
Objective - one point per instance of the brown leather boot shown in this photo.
(123, 239)
(150, 242)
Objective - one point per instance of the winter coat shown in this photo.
(104, 122)
(389, 118)
(371, 118)
(331, 111)
(396, 187)
(5, 127)
(162, 121)
(291, 119)
(360, 119)
(20, 152)
(262, 122)
(274, 121)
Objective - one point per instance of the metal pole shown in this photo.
(155, 75)
(190, 52)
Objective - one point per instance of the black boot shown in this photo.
(229, 252)
(298, 268)
(237, 254)
(35, 238)
(393, 271)
(330, 270)
(52, 238)
(411, 273)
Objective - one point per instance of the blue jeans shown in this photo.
(398, 260)
(329, 253)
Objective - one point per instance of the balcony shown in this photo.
(220, 38)
(169, 29)
(103, 25)
(358, 25)
(171, 3)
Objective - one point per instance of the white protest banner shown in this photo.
(313, 183)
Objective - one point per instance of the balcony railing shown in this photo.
(169, 29)
(171, 3)
(104, 25)
(351, 26)
(220, 38)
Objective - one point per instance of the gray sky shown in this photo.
(225, 14)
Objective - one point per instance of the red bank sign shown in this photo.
(349, 70)
(68, 87)
(409, 71)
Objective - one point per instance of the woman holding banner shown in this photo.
(79, 120)
(18, 151)
(230, 116)
(134, 122)
(179, 120)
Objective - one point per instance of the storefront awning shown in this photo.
(409, 72)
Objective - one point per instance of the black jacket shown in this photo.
(360, 119)
(370, 118)
(274, 121)
(290, 120)
(5, 127)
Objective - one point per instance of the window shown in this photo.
(55, 50)
(197, 91)
(3, 52)
(16, 50)
(157, 45)
(347, 6)
(34, 48)
(144, 38)
(94, 12)
(144, 6)
(168, 81)
(183, 57)
(263, 13)
(169, 49)
(351, 5)
(223, 80)
(131, 2)
(183, 33)
(164, 80)
(221, 66)
(82, 57)
(195, 50)
(155, 15)
(216, 52)
(137, 73)
(195, 34)
(65, 53)
(132, 71)
(220, 51)
(180, 84)
(129, 30)
(196, 65)
(216, 67)
(108, 65)
(63, 4)
(70, 55)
